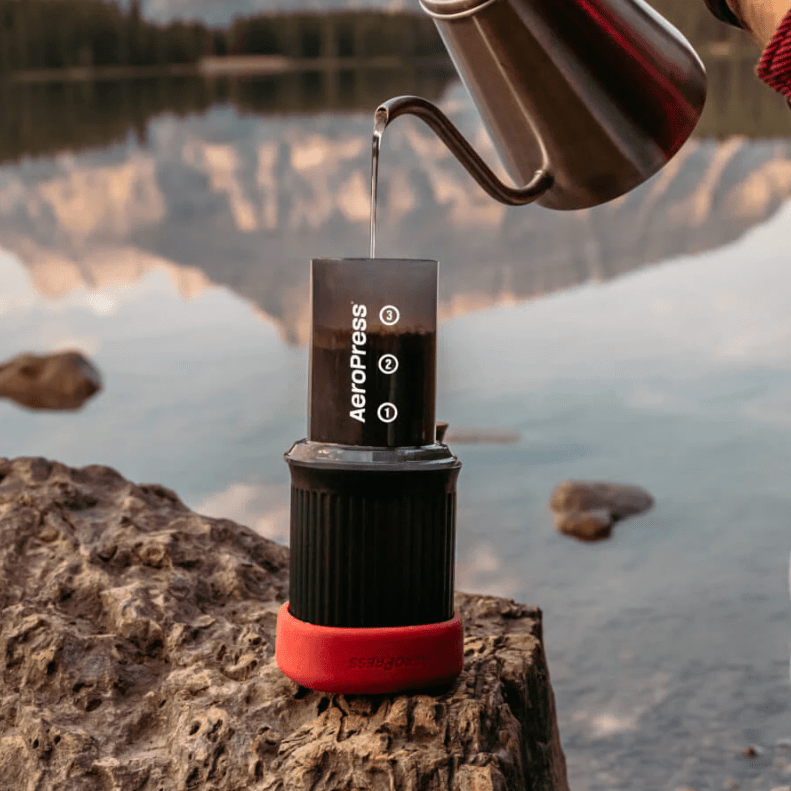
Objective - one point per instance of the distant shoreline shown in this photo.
(230, 66)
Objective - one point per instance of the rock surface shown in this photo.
(64, 380)
(588, 510)
(136, 651)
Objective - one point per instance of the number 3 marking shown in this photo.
(389, 315)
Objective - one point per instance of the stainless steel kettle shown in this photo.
(583, 99)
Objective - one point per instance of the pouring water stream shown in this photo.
(380, 122)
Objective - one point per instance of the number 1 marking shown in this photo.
(387, 412)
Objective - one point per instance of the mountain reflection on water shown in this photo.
(244, 202)
(177, 256)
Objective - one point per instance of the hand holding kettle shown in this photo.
(769, 24)
(761, 18)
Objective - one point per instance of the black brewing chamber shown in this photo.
(373, 496)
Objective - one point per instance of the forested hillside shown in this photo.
(52, 34)
(55, 34)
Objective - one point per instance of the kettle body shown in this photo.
(599, 94)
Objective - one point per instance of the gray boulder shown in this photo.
(136, 652)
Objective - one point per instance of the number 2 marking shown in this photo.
(388, 364)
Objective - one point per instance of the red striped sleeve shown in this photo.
(774, 68)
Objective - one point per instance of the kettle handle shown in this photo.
(442, 126)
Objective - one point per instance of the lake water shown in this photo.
(647, 341)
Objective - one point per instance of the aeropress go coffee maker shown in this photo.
(584, 100)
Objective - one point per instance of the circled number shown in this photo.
(388, 363)
(387, 412)
(389, 315)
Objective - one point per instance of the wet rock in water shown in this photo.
(475, 436)
(586, 525)
(587, 510)
(62, 381)
(136, 647)
(620, 499)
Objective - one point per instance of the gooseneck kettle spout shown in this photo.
(583, 99)
(444, 128)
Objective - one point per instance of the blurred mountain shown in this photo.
(691, 17)
(221, 12)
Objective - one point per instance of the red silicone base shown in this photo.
(368, 661)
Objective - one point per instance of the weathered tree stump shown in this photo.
(136, 647)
